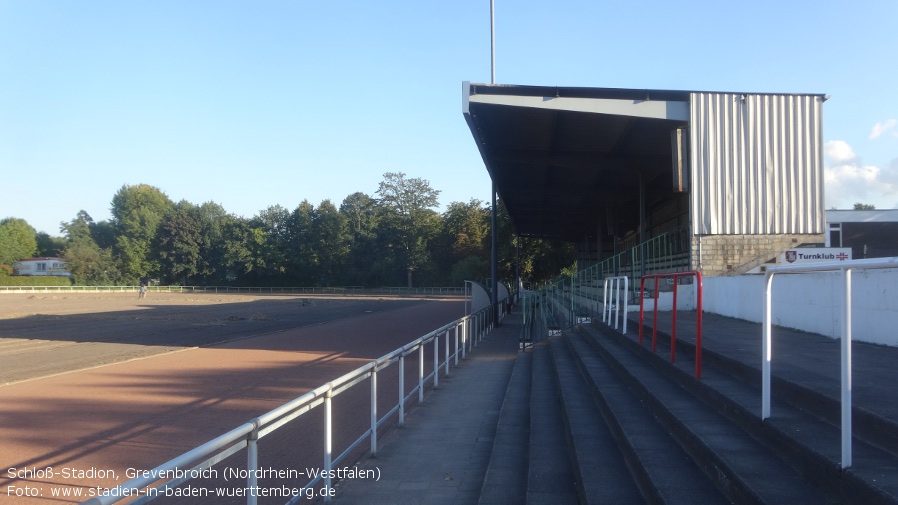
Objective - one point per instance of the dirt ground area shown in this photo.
(97, 384)
(47, 334)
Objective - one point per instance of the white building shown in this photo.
(42, 266)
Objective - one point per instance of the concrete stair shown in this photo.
(593, 416)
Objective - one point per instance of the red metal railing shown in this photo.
(673, 332)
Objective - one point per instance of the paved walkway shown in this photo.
(441, 454)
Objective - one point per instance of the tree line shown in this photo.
(392, 238)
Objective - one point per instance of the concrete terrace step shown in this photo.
(740, 466)
(601, 470)
(664, 472)
(805, 370)
(801, 430)
(550, 477)
(505, 482)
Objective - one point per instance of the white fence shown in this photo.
(345, 290)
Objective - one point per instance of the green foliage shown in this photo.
(368, 241)
(89, 264)
(331, 242)
(34, 280)
(49, 247)
(864, 206)
(18, 240)
(407, 211)
(178, 246)
(137, 212)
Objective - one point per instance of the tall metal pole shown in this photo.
(492, 42)
(494, 260)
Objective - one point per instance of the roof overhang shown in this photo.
(564, 159)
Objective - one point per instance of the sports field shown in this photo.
(96, 384)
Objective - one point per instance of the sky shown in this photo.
(254, 104)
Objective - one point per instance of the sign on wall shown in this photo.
(814, 255)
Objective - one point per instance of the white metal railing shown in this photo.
(613, 299)
(845, 267)
(466, 333)
(184, 289)
(233, 289)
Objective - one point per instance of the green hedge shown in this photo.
(40, 280)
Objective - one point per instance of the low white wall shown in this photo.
(812, 302)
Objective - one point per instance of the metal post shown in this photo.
(846, 369)
(436, 361)
(421, 372)
(673, 327)
(699, 293)
(374, 410)
(456, 345)
(655, 317)
(252, 464)
(447, 353)
(492, 42)
(402, 388)
(464, 337)
(494, 255)
(766, 351)
(328, 440)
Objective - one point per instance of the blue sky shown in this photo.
(252, 104)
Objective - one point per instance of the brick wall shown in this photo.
(736, 254)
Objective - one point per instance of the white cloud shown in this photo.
(880, 128)
(837, 152)
(848, 181)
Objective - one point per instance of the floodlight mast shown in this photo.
(492, 42)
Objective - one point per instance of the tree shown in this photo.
(864, 206)
(89, 264)
(301, 242)
(361, 212)
(465, 243)
(178, 244)
(212, 220)
(136, 214)
(407, 212)
(242, 247)
(48, 246)
(268, 242)
(332, 246)
(18, 240)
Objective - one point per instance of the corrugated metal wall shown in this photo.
(757, 164)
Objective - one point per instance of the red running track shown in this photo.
(141, 413)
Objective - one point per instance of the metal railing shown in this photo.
(845, 267)
(668, 251)
(452, 290)
(466, 333)
(615, 294)
(342, 290)
(673, 332)
(185, 289)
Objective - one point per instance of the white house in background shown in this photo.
(42, 266)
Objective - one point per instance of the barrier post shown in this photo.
(328, 439)
(421, 372)
(374, 410)
(252, 463)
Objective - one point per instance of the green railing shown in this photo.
(569, 299)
